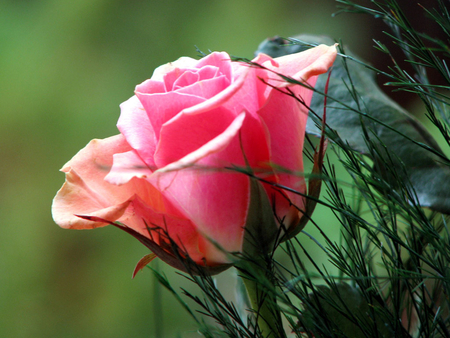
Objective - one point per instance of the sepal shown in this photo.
(344, 311)
(143, 263)
(261, 231)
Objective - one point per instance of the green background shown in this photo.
(65, 66)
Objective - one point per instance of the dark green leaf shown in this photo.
(344, 311)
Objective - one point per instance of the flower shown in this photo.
(167, 176)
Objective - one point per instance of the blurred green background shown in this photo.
(65, 66)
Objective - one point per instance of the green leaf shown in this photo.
(343, 310)
(371, 123)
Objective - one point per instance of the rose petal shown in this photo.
(285, 119)
(162, 107)
(187, 78)
(93, 162)
(75, 198)
(85, 191)
(243, 94)
(171, 77)
(224, 195)
(136, 127)
(224, 200)
(183, 62)
(220, 60)
(206, 88)
(215, 145)
(190, 77)
(287, 130)
(186, 133)
(152, 86)
(216, 200)
(301, 66)
(180, 230)
(126, 166)
(209, 72)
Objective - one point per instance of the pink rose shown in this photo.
(165, 173)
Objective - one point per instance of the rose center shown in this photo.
(180, 78)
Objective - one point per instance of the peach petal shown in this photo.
(76, 198)
(86, 192)
(127, 166)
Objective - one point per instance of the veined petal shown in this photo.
(222, 97)
(216, 202)
(152, 86)
(85, 191)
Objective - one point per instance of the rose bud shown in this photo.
(171, 177)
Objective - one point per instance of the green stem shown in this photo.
(157, 304)
(262, 299)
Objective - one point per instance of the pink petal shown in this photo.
(243, 94)
(186, 133)
(206, 88)
(215, 199)
(136, 127)
(209, 72)
(215, 145)
(301, 66)
(216, 202)
(162, 107)
(170, 78)
(285, 119)
(182, 63)
(152, 86)
(191, 76)
(186, 78)
(220, 60)
(158, 225)
(75, 198)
